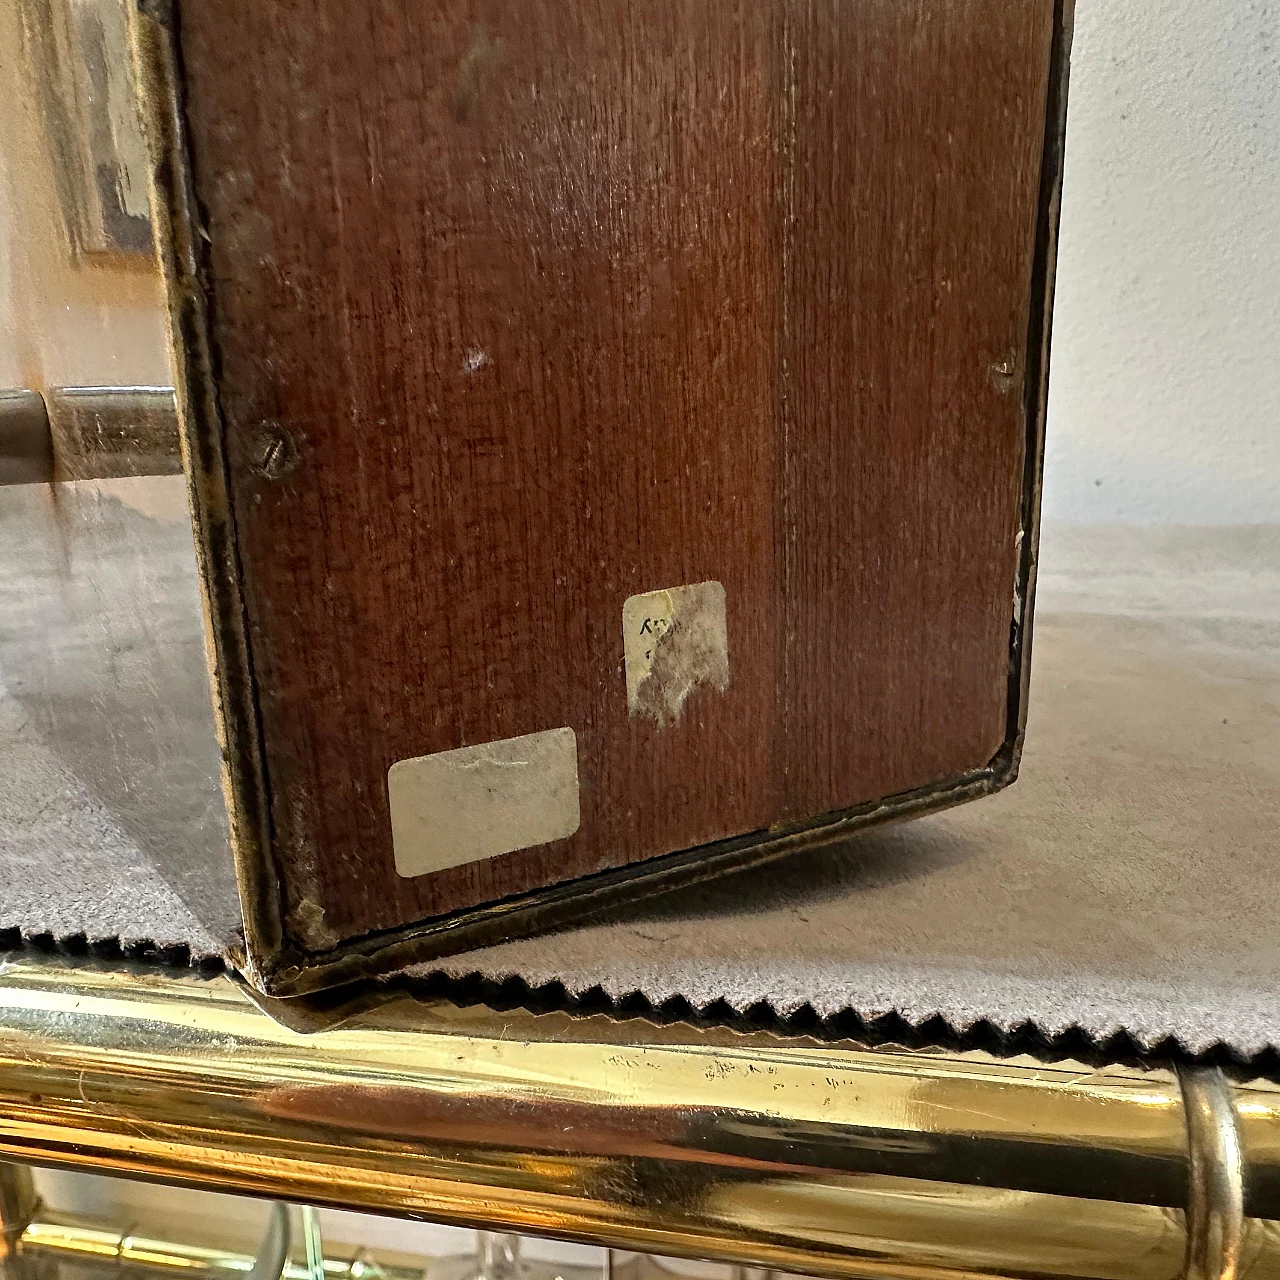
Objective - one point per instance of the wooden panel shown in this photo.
(520, 308)
(912, 202)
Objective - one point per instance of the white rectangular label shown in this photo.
(472, 803)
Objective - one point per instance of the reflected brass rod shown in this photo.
(71, 1239)
(88, 433)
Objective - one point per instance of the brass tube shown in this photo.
(69, 1238)
(757, 1149)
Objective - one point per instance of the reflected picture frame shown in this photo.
(77, 55)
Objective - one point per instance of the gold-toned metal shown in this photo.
(69, 1238)
(756, 1149)
(1215, 1208)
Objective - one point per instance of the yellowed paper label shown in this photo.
(462, 806)
(674, 640)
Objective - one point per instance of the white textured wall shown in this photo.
(1165, 381)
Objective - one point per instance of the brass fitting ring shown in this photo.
(1215, 1176)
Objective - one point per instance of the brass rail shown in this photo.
(68, 1238)
(50, 1238)
(757, 1149)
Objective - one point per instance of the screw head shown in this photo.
(274, 453)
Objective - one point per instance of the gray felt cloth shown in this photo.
(111, 816)
(1126, 882)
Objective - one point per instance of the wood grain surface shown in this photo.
(519, 308)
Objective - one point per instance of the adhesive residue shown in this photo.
(673, 641)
